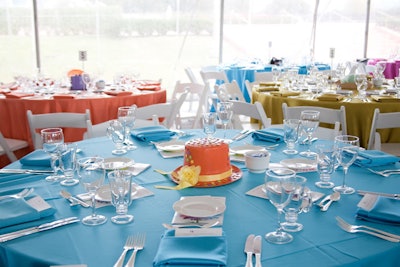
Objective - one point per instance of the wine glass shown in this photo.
(309, 123)
(290, 135)
(52, 138)
(225, 113)
(346, 147)
(116, 131)
(275, 74)
(91, 175)
(87, 80)
(68, 163)
(127, 116)
(325, 165)
(209, 126)
(121, 195)
(294, 206)
(279, 185)
(361, 82)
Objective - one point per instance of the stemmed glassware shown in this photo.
(127, 116)
(52, 138)
(225, 113)
(209, 124)
(116, 131)
(360, 80)
(291, 135)
(91, 175)
(346, 147)
(68, 163)
(87, 80)
(279, 186)
(121, 195)
(325, 164)
(309, 123)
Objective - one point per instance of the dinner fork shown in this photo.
(20, 194)
(385, 173)
(129, 244)
(349, 229)
(343, 222)
(137, 245)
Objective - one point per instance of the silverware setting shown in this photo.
(25, 192)
(328, 200)
(253, 246)
(73, 200)
(186, 225)
(394, 196)
(242, 134)
(25, 171)
(135, 242)
(385, 173)
(369, 230)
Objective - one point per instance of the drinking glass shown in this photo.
(291, 135)
(116, 131)
(127, 116)
(68, 163)
(87, 80)
(121, 195)
(309, 123)
(361, 82)
(279, 185)
(275, 74)
(52, 138)
(91, 174)
(326, 165)
(225, 113)
(347, 147)
(294, 206)
(397, 85)
(209, 126)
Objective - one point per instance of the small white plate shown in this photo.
(117, 163)
(237, 153)
(104, 193)
(300, 164)
(171, 149)
(199, 207)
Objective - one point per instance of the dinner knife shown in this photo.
(36, 229)
(236, 137)
(248, 249)
(394, 196)
(25, 171)
(73, 200)
(257, 250)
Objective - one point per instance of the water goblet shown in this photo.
(294, 207)
(209, 124)
(127, 116)
(121, 195)
(361, 82)
(275, 74)
(397, 85)
(309, 124)
(346, 147)
(68, 163)
(87, 80)
(52, 138)
(91, 174)
(116, 131)
(291, 135)
(325, 164)
(279, 185)
(225, 113)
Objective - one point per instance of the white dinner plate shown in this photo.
(199, 207)
(104, 193)
(171, 149)
(117, 163)
(300, 164)
(237, 153)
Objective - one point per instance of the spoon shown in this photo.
(207, 225)
(21, 194)
(334, 197)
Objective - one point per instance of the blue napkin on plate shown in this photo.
(385, 210)
(274, 135)
(152, 133)
(191, 250)
(38, 157)
(19, 210)
(373, 158)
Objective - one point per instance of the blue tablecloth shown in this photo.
(320, 243)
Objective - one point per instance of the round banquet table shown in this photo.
(320, 243)
(358, 114)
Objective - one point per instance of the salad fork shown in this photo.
(20, 194)
(138, 244)
(349, 228)
(129, 244)
(385, 173)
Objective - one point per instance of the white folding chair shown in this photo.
(192, 77)
(263, 76)
(59, 119)
(246, 111)
(100, 129)
(335, 117)
(384, 121)
(9, 145)
(229, 91)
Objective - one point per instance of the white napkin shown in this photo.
(138, 168)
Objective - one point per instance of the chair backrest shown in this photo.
(60, 119)
(168, 111)
(5, 149)
(381, 121)
(229, 91)
(192, 77)
(264, 76)
(214, 75)
(336, 117)
(255, 111)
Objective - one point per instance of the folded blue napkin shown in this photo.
(38, 157)
(20, 210)
(191, 250)
(274, 135)
(385, 210)
(372, 158)
(152, 133)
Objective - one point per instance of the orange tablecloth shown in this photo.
(14, 123)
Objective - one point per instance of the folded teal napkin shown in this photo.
(191, 250)
(372, 158)
(152, 133)
(274, 135)
(385, 210)
(38, 157)
(20, 210)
